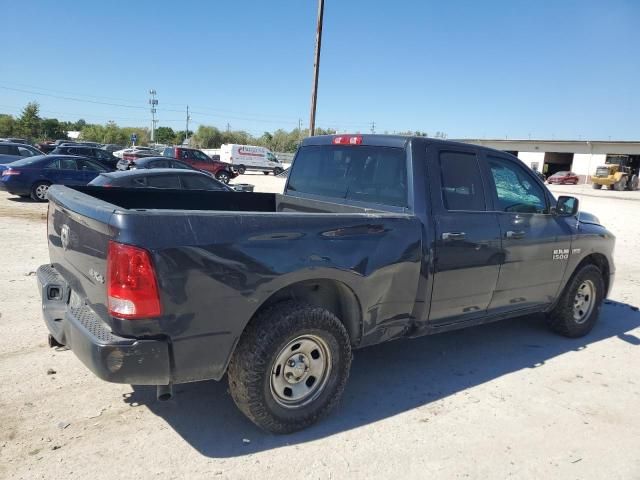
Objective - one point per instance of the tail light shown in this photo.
(132, 288)
(9, 172)
(347, 140)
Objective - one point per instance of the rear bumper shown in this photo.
(110, 357)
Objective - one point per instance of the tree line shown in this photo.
(31, 126)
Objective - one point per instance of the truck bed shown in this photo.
(219, 256)
(165, 199)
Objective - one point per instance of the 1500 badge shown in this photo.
(561, 254)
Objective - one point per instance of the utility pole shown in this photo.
(153, 102)
(186, 133)
(373, 127)
(228, 127)
(299, 129)
(316, 69)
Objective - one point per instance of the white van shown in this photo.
(248, 157)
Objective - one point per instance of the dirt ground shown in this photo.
(504, 400)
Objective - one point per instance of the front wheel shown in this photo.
(39, 191)
(266, 173)
(579, 306)
(290, 366)
(223, 176)
(241, 169)
(620, 185)
(277, 171)
(596, 186)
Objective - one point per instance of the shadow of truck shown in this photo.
(386, 380)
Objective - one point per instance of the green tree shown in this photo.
(8, 125)
(180, 136)
(52, 129)
(165, 135)
(29, 122)
(208, 137)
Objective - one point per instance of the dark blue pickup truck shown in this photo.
(375, 238)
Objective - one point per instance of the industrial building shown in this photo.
(578, 156)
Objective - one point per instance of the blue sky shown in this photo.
(545, 69)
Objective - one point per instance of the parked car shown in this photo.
(10, 151)
(112, 147)
(22, 141)
(177, 179)
(153, 162)
(375, 238)
(164, 162)
(249, 157)
(105, 158)
(34, 175)
(45, 147)
(151, 152)
(197, 159)
(563, 178)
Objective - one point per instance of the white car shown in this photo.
(119, 153)
(249, 157)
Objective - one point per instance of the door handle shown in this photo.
(515, 235)
(454, 236)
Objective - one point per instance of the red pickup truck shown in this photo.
(197, 159)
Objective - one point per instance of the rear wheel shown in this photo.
(579, 306)
(596, 186)
(290, 366)
(241, 169)
(620, 185)
(632, 184)
(266, 173)
(39, 191)
(223, 176)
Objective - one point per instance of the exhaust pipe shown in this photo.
(164, 392)
(53, 343)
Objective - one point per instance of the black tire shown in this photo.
(596, 186)
(562, 320)
(223, 176)
(277, 171)
(264, 341)
(266, 173)
(241, 169)
(620, 185)
(39, 191)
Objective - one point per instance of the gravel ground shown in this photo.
(504, 400)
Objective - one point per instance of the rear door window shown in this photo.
(361, 173)
(68, 164)
(25, 152)
(163, 181)
(462, 187)
(160, 164)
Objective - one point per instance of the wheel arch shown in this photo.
(599, 260)
(330, 294)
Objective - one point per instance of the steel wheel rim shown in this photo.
(300, 371)
(584, 301)
(41, 191)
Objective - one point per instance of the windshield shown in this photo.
(361, 173)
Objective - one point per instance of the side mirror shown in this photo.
(567, 206)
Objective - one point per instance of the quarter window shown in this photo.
(461, 182)
(516, 190)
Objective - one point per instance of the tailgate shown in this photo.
(78, 234)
